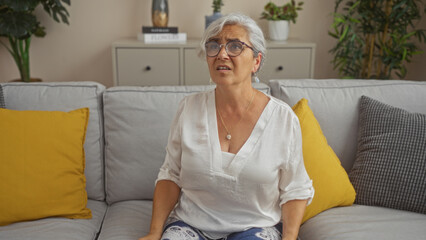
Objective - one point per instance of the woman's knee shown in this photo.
(180, 231)
(270, 233)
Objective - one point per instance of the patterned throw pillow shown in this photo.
(390, 167)
(2, 104)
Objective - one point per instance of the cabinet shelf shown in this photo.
(138, 64)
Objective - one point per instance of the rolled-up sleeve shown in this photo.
(295, 183)
(170, 170)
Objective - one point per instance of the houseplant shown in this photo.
(278, 18)
(217, 6)
(18, 24)
(375, 38)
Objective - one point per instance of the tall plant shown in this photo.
(18, 23)
(376, 38)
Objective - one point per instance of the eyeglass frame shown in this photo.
(226, 49)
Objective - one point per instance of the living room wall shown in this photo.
(82, 50)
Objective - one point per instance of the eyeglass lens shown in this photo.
(232, 48)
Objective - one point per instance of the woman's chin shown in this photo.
(223, 81)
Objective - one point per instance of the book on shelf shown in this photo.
(162, 37)
(147, 29)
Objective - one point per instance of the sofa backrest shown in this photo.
(66, 97)
(335, 104)
(137, 122)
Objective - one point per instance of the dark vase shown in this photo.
(212, 18)
(160, 13)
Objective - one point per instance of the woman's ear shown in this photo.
(257, 61)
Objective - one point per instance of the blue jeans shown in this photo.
(179, 230)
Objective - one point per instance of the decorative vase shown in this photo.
(212, 18)
(278, 30)
(160, 13)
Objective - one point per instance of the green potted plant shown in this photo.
(18, 24)
(375, 38)
(217, 6)
(279, 17)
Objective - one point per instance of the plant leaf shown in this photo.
(17, 24)
(20, 5)
(344, 33)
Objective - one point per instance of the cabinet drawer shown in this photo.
(147, 67)
(196, 71)
(287, 63)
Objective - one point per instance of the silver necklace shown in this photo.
(228, 132)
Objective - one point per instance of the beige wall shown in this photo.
(82, 50)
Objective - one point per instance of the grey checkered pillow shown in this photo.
(2, 104)
(390, 166)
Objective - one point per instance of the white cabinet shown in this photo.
(144, 66)
(288, 61)
(138, 64)
(195, 69)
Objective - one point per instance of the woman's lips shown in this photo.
(223, 68)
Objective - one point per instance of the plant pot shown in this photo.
(278, 30)
(212, 18)
(31, 80)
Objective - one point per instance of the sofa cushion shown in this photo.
(2, 104)
(42, 159)
(390, 168)
(58, 228)
(137, 123)
(127, 220)
(68, 96)
(364, 222)
(335, 105)
(330, 180)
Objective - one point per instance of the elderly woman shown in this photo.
(234, 166)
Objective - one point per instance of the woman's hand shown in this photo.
(151, 236)
(289, 238)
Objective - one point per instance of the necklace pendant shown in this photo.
(228, 136)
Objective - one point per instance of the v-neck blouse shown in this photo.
(227, 158)
(247, 192)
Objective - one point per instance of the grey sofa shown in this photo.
(125, 146)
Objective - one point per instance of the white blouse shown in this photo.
(220, 197)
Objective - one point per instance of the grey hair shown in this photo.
(255, 34)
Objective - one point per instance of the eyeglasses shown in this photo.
(233, 48)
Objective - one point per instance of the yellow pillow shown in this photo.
(330, 180)
(42, 165)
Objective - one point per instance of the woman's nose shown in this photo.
(222, 53)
